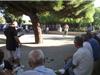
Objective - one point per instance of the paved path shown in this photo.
(55, 48)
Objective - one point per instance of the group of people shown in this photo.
(81, 63)
(59, 28)
(12, 45)
(12, 66)
(88, 52)
(36, 60)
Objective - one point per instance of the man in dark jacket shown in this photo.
(12, 40)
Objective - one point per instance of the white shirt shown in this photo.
(40, 70)
(83, 60)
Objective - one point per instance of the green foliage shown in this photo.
(19, 19)
(72, 11)
(90, 13)
(58, 5)
(97, 18)
(47, 18)
(9, 17)
(2, 20)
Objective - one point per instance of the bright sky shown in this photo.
(97, 3)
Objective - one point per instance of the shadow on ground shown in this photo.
(54, 55)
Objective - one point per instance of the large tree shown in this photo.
(97, 18)
(72, 8)
(32, 9)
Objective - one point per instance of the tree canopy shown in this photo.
(72, 10)
(97, 17)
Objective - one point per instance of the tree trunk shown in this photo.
(37, 29)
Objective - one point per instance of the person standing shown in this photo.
(47, 30)
(59, 28)
(66, 28)
(90, 28)
(12, 40)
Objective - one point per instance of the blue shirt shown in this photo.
(40, 70)
(96, 48)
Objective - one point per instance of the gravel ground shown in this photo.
(55, 47)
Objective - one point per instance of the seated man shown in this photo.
(82, 59)
(36, 62)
